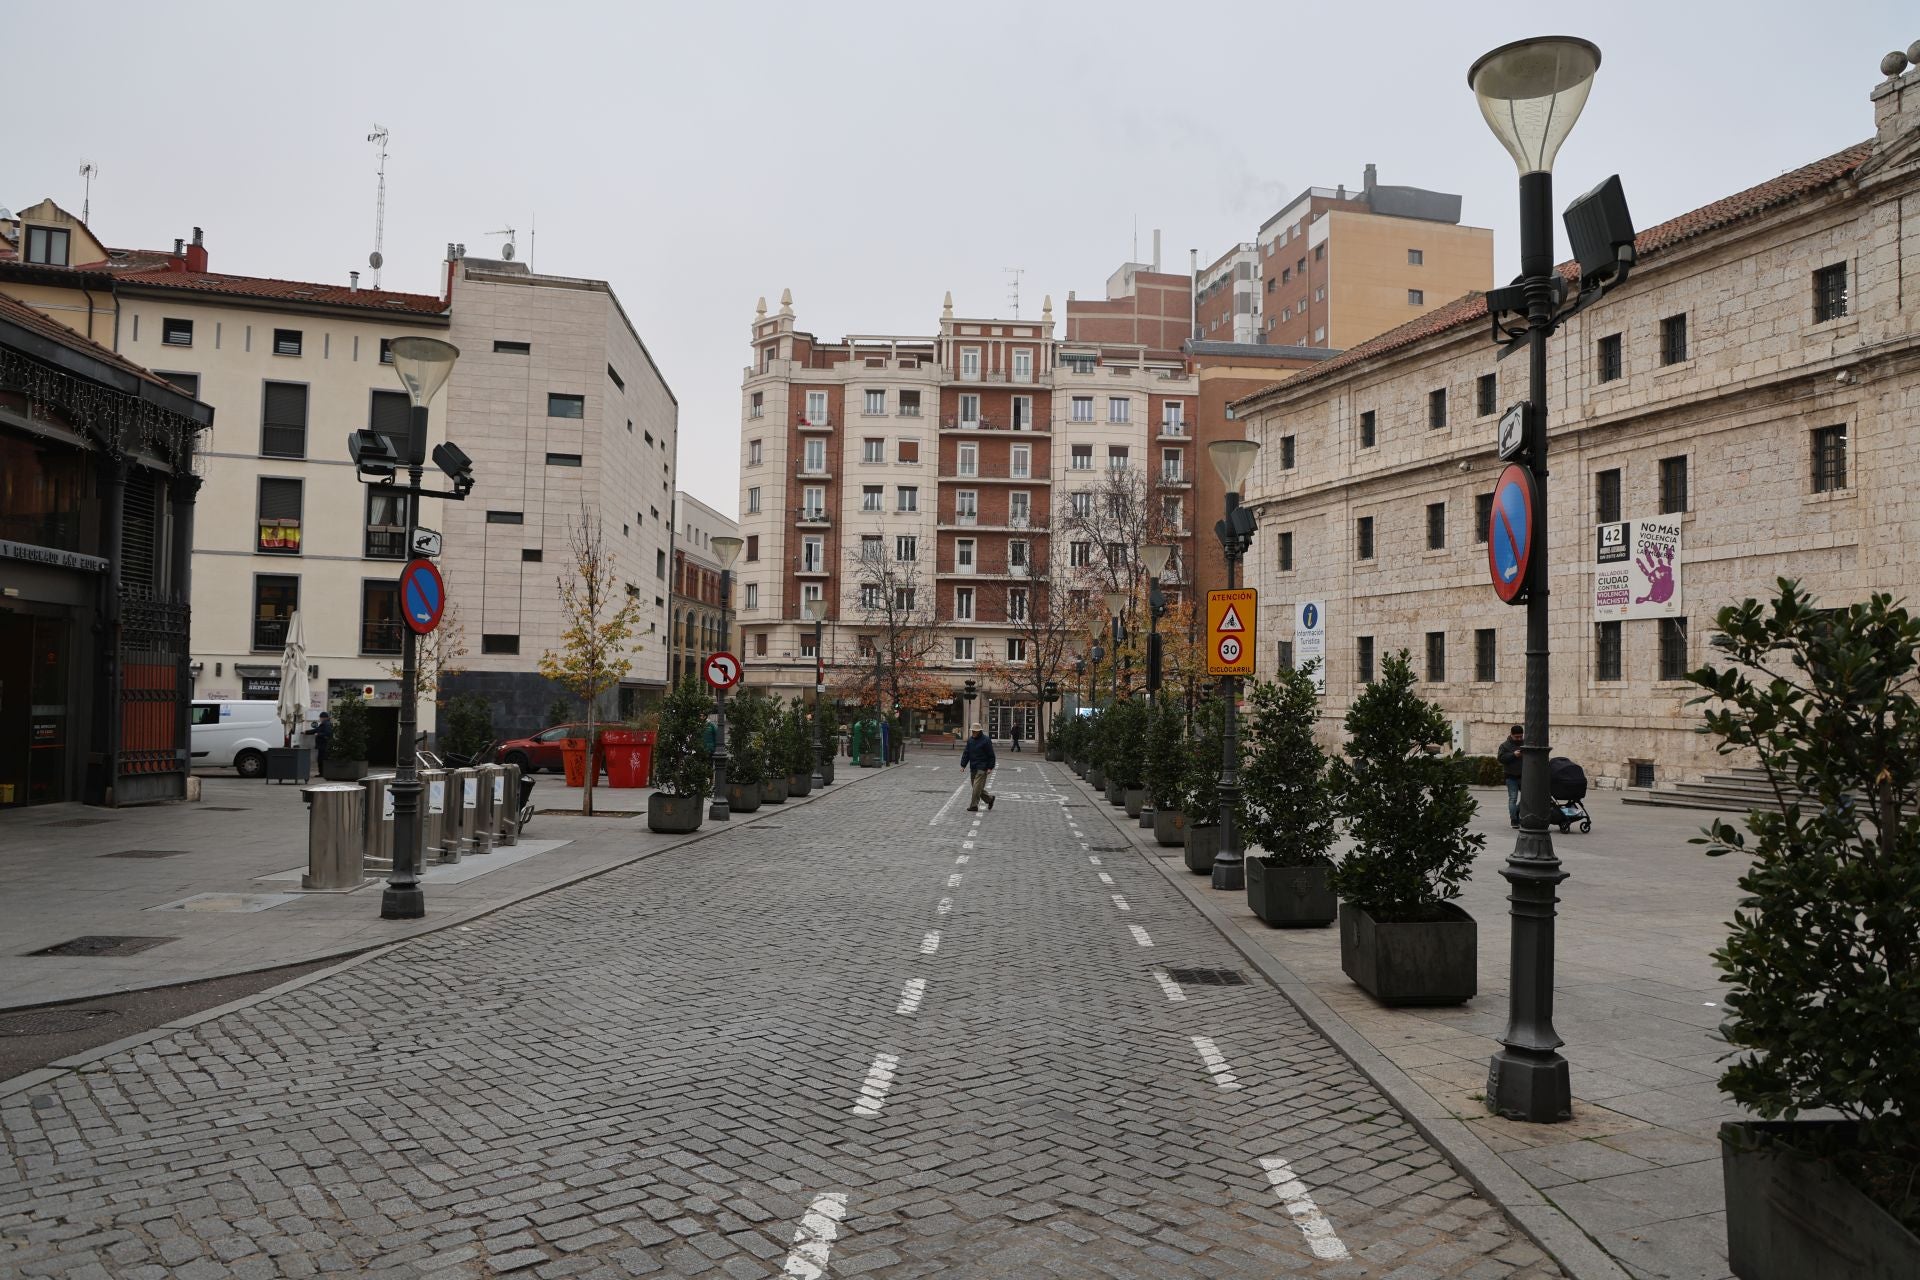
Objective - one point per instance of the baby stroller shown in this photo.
(1567, 784)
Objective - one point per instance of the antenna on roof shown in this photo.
(1013, 287)
(87, 170)
(377, 259)
(533, 240)
(506, 250)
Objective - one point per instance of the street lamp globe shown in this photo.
(424, 364)
(727, 548)
(1116, 602)
(1233, 459)
(816, 608)
(1156, 556)
(1531, 92)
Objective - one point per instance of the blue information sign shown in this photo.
(1510, 533)
(423, 596)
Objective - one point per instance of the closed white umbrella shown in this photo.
(295, 692)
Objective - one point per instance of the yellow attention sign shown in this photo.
(1230, 631)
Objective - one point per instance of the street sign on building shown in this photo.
(1310, 639)
(426, 543)
(1510, 533)
(722, 670)
(1231, 631)
(423, 596)
(1513, 432)
(1636, 572)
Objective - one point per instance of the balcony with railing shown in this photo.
(987, 424)
(382, 638)
(1175, 429)
(823, 422)
(1035, 473)
(1175, 478)
(803, 471)
(983, 565)
(385, 542)
(814, 517)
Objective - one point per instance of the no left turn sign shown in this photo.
(722, 670)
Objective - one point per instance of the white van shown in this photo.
(235, 735)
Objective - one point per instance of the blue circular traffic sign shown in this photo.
(1510, 533)
(423, 596)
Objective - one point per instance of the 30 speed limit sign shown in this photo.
(1230, 631)
(1229, 650)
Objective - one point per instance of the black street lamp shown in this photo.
(1093, 674)
(1232, 459)
(967, 692)
(1531, 93)
(727, 548)
(1050, 694)
(1155, 556)
(817, 610)
(1116, 602)
(423, 365)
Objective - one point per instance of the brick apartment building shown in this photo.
(699, 609)
(1752, 390)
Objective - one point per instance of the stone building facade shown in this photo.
(700, 623)
(1755, 384)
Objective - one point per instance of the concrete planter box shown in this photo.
(1791, 1217)
(773, 791)
(826, 772)
(743, 797)
(675, 815)
(1135, 799)
(799, 784)
(343, 770)
(1078, 766)
(1413, 961)
(1291, 897)
(1169, 827)
(1203, 846)
(1055, 755)
(1096, 777)
(1115, 793)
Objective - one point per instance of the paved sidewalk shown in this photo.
(71, 871)
(875, 1034)
(1638, 1168)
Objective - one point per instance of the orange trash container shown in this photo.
(573, 758)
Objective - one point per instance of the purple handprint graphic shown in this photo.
(1657, 564)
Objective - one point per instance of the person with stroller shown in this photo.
(1510, 765)
(978, 760)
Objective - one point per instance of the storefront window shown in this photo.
(47, 496)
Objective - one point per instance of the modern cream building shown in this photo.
(563, 411)
(283, 522)
(1752, 390)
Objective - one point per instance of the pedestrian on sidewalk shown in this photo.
(323, 739)
(1510, 765)
(1016, 735)
(978, 760)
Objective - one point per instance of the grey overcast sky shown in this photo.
(867, 156)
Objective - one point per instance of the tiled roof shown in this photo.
(122, 260)
(34, 321)
(287, 291)
(1675, 231)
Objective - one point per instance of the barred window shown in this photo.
(1673, 485)
(1482, 516)
(1606, 496)
(1673, 648)
(1673, 339)
(1436, 657)
(1489, 393)
(1829, 459)
(1830, 292)
(1363, 658)
(1484, 652)
(1610, 359)
(1363, 538)
(1436, 526)
(1367, 436)
(1606, 651)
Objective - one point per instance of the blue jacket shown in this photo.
(977, 757)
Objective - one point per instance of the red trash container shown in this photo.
(629, 757)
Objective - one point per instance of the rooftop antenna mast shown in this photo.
(88, 169)
(377, 259)
(506, 250)
(1013, 287)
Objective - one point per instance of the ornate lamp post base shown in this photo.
(403, 904)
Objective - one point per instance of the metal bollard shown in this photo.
(433, 817)
(335, 822)
(486, 777)
(509, 792)
(379, 821)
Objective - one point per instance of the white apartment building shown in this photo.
(563, 411)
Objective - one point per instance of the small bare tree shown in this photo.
(436, 656)
(898, 610)
(1047, 613)
(601, 621)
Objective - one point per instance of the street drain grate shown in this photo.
(597, 813)
(1208, 977)
(223, 808)
(767, 826)
(145, 853)
(1110, 848)
(100, 944)
(80, 822)
(53, 1022)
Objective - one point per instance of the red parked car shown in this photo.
(542, 750)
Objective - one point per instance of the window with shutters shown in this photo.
(391, 415)
(275, 597)
(908, 451)
(286, 342)
(142, 560)
(380, 624)
(1082, 457)
(189, 383)
(277, 528)
(753, 546)
(283, 421)
(386, 351)
(176, 333)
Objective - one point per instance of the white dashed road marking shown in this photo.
(966, 844)
(960, 861)
(1091, 858)
(946, 905)
(1120, 902)
(1217, 1064)
(930, 943)
(953, 881)
(1168, 985)
(912, 994)
(1294, 1195)
(1140, 935)
(873, 1094)
(813, 1238)
(952, 800)
(1105, 878)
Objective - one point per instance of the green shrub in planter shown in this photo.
(1483, 771)
(1200, 774)
(682, 762)
(350, 728)
(1166, 754)
(747, 717)
(1822, 958)
(796, 744)
(1127, 748)
(466, 725)
(1289, 804)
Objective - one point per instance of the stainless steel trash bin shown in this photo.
(509, 806)
(433, 817)
(486, 776)
(379, 821)
(336, 820)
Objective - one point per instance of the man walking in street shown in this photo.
(323, 740)
(978, 759)
(1510, 765)
(1016, 735)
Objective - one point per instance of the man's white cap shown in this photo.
(976, 726)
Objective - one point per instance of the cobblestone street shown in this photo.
(875, 1035)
